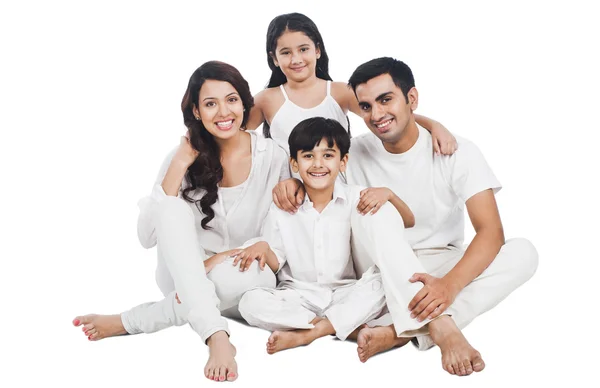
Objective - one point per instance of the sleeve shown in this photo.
(469, 172)
(148, 205)
(285, 171)
(272, 235)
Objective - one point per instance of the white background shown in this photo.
(90, 95)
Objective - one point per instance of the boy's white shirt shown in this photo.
(313, 249)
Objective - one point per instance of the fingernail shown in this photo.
(412, 315)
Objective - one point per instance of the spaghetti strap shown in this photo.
(283, 91)
(329, 88)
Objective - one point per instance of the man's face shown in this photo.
(384, 107)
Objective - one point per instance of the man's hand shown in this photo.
(288, 195)
(433, 299)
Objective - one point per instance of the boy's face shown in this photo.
(320, 166)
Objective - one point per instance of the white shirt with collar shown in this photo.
(245, 214)
(313, 248)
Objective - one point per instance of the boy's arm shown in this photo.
(373, 198)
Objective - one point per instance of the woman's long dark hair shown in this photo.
(206, 171)
(295, 22)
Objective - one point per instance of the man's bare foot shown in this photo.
(373, 340)
(97, 327)
(458, 356)
(221, 363)
(282, 340)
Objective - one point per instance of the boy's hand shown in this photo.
(288, 195)
(256, 251)
(372, 199)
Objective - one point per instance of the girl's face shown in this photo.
(220, 108)
(296, 56)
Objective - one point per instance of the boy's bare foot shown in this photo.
(221, 363)
(373, 340)
(97, 327)
(282, 340)
(458, 356)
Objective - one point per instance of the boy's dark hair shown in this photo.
(398, 70)
(308, 134)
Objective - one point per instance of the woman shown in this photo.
(211, 195)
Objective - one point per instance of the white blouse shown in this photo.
(244, 218)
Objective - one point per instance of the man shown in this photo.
(459, 284)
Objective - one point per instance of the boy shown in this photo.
(318, 293)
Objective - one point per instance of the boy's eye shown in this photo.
(365, 107)
(328, 155)
(386, 99)
(307, 156)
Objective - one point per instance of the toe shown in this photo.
(78, 321)
(468, 367)
(478, 364)
(461, 368)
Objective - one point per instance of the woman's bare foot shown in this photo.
(221, 363)
(97, 327)
(373, 340)
(458, 356)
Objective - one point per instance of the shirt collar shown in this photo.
(339, 195)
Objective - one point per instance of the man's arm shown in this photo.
(439, 293)
(489, 238)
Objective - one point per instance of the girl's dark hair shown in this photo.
(295, 22)
(206, 171)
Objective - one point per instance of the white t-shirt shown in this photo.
(434, 187)
(245, 216)
(313, 249)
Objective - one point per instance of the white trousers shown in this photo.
(374, 237)
(181, 270)
(285, 308)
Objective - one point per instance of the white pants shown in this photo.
(181, 270)
(286, 309)
(515, 264)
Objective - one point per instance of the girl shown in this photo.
(301, 87)
(211, 195)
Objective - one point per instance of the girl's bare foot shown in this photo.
(458, 356)
(373, 340)
(97, 327)
(221, 363)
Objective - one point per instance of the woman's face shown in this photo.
(220, 108)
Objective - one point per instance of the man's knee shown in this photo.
(524, 257)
